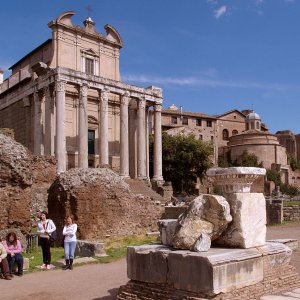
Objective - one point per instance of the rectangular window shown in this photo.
(173, 120)
(91, 142)
(185, 121)
(209, 123)
(198, 122)
(89, 66)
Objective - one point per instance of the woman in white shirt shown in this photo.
(45, 227)
(69, 233)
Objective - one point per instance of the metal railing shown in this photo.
(32, 241)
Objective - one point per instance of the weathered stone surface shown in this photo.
(203, 243)
(167, 229)
(20, 174)
(248, 227)
(218, 270)
(102, 204)
(291, 243)
(209, 214)
(89, 248)
(235, 179)
(147, 263)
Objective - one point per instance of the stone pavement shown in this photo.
(293, 295)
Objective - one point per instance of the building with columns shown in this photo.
(66, 99)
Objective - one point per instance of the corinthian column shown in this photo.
(157, 167)
(83, 128)
(124, 146)
(38, 148)
(141, 161)
(60, 149)
(103, 131)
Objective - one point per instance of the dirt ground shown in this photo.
(100, 281)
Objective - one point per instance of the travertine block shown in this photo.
(167, 230)
(248, 227)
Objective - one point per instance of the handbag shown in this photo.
(52, 235)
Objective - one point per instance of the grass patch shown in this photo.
(291, 203)
(116, 248)
(36, 257)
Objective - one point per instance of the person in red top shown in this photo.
(14, 249)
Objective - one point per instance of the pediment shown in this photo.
(89, 51)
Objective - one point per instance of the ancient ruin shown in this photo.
(102, 203)
(251, 266)
(24, 180)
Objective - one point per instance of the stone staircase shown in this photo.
(141, 187)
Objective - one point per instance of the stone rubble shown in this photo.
(102, 204)
(208, 215)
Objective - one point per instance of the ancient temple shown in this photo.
(66, 98)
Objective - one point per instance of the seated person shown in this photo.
(14, 249)
(4, 264)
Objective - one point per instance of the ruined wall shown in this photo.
(101, 203)
(20, 175)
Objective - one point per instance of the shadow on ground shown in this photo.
(113, 294)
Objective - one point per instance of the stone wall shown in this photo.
(277, 213)
(102, 204)
(291, 213)
(274, 209)
(20, 174)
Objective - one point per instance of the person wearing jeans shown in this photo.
(69, 233)
(13, 248)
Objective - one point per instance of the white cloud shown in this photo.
(203, 82)
(220, 12)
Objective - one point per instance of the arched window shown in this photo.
(252, 125)
(234, 132)
(225, 135)
(257, 125)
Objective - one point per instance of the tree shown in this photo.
(293, 162)
(250, 160)
(184, 158)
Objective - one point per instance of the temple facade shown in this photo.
(66, 99)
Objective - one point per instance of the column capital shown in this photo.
(125, 98)
(157, 107)
(141, 103)
(60, 86)
(84, 90)
(104, 95)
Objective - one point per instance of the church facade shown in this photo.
(66, 99)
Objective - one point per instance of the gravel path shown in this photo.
(89, 282)
(99, 281)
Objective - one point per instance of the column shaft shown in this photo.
(141, 161)
(124, 138)
(157, 167)
(38, 126)
(83, 128)
(60, 150)
(103, 130)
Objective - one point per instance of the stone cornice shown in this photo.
(153, 95)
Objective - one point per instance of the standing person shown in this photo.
(69, 233)
(4, 264)
(44, 228)
(14, 249)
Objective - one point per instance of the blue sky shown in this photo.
(209, 56)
